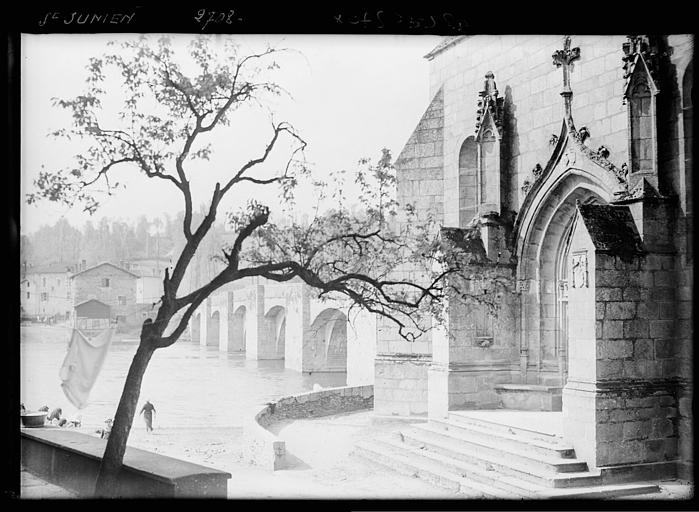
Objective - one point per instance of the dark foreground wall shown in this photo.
(71, 460)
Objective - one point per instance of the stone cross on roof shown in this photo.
(564, 58)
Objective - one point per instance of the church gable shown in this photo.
(420, 165)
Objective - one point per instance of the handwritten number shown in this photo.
(378, 18)
(200, 15)
(230, 15)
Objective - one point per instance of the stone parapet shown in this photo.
(72, 460)
(268, 450)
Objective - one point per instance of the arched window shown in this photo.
(468, 169)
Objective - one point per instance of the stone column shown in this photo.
(205, 310)
(254, 320)
(297, 312)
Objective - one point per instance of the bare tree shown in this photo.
(357, 255)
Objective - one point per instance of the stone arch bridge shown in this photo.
(266, 320)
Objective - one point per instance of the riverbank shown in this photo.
(323, 465)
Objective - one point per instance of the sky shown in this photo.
(351, 96)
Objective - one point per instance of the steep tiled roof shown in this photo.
(111, 265)
(612, 228)
(443, 45)
(459, 242)
(51, 268)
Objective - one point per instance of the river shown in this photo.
(189, 385)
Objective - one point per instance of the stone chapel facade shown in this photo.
(571, 160)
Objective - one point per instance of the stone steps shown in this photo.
(432, 469)
(466, 448)
(469, 458)
(503, 428)
(471, 481)
(554, 448)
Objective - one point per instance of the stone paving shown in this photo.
(35, 488)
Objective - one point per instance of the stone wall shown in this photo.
(72, 460)
(531, 86)
(269, 450)
(638, 354)
(420, 164)
(400, 384)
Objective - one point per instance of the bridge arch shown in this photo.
(213, 329)
(237, 330)
(274, 333)
(325, 348)
(195, 327)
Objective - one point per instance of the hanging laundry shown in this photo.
(82, 365)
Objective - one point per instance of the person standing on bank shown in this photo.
(148, 410)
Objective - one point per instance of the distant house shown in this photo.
(149, 287)
(112, 286)
(92, 315)
(45, 291)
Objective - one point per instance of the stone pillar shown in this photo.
(297, 313)
(400, 366)
(438, 391)
(236, 324)
(619, 405)
(361, 348)
(468, 361)
(223, 319)
(254, 320)
(205, 310)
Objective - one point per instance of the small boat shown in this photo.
(33, 419)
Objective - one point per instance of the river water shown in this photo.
(189, 385)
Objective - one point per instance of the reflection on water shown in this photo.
(189, 385)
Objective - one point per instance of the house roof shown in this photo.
(443, 45)
(135, 276)
(153, 258)
(91, 300)
(51, 268)
(612, 228)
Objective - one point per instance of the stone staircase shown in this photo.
(477, 458)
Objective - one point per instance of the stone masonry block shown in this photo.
(667, 310)
(610, 432)
(608, 368)
(612, 329)
(663, 278)
(615, 349)
(648, 310)
(662, 427)
(636, 429)
(665, 348)
(599, 311)
(661, 328)
(606, 294)
(643, 349)
(620, 310)
(663, 294)
(636, 328)
(632, 293)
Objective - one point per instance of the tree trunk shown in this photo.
(107, 480)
